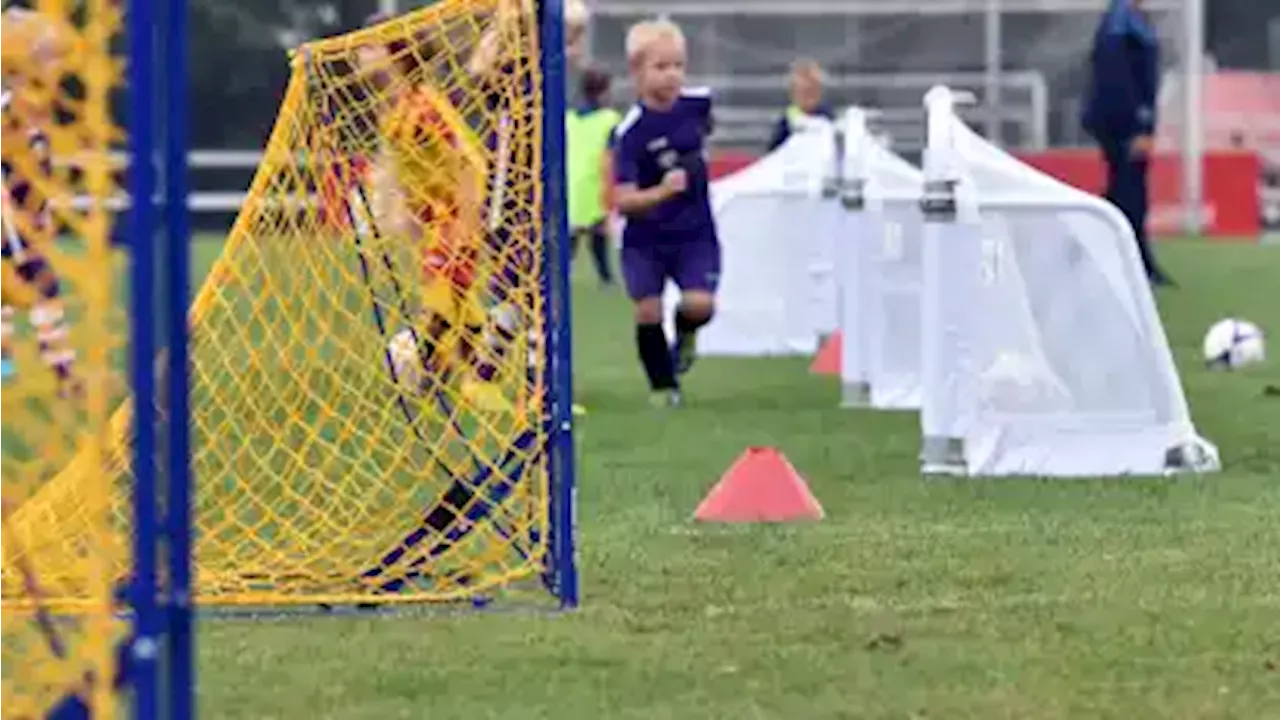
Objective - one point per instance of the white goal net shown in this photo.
(1044, 352)
(1009, 308)
(879, 266)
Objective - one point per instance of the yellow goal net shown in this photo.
(371, 387)
(60, 370)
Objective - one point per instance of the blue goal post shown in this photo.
(160, 663)
(555, 281)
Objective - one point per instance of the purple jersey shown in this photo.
(647, 144)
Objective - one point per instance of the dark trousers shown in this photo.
(1127, 190)
(599, 240)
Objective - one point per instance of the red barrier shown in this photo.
(727, 162)
(1231, 205)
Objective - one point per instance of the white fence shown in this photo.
(198, 201)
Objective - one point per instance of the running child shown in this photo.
(664, 193)
(428, 192)
(588, 130)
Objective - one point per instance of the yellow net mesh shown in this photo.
(58, 286)
(367, 384)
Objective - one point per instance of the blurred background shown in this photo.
(1025, 60)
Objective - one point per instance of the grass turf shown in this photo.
(980, 598)
(1127, 598)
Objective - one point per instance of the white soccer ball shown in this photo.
(402, 351)
(1232, 344)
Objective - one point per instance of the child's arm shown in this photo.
(629, 197)
(389, 211)
(484, 58)
(471, 209)
(632, 200)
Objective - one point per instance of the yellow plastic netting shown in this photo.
(366, 391)
(59, 633)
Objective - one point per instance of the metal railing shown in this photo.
(740, 124)
(793, 8)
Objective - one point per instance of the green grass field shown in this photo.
(914, 598)
(1030, 599)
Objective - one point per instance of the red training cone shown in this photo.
(760, 486)
(827, 361)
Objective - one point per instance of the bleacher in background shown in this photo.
(1025, 63)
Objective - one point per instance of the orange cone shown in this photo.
(760, 486)
(827, 361)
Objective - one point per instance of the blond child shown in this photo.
(807, 89)
(662, 189)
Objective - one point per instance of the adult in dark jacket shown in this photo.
(806, 101)
(1120, 113)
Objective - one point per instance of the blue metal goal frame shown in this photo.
(562, 577)
(160, 667)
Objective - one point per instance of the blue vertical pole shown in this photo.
(555, 288)
(142, 219)
(181, 638)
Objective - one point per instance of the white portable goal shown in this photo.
(777, 234)
(1043, 352)
(878, 261)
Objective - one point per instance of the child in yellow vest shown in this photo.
(807, 81)
(587, 129)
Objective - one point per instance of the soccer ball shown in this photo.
(402, 353)
(1232, 344)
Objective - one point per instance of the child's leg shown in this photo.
(600, 253)
(504, 296)
(576, 236)
(497, 335)
(448, 272)
(698, 276)
(484, 345)
(644, 274)
(437, 330)
(49, 320)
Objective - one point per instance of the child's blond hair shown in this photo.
(808, 69)
(644, 34)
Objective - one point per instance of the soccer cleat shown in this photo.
(665, 398)
(684, 352)
(8, 369)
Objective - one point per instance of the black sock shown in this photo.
(600, 253)
(686, 325)
(655, 355)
